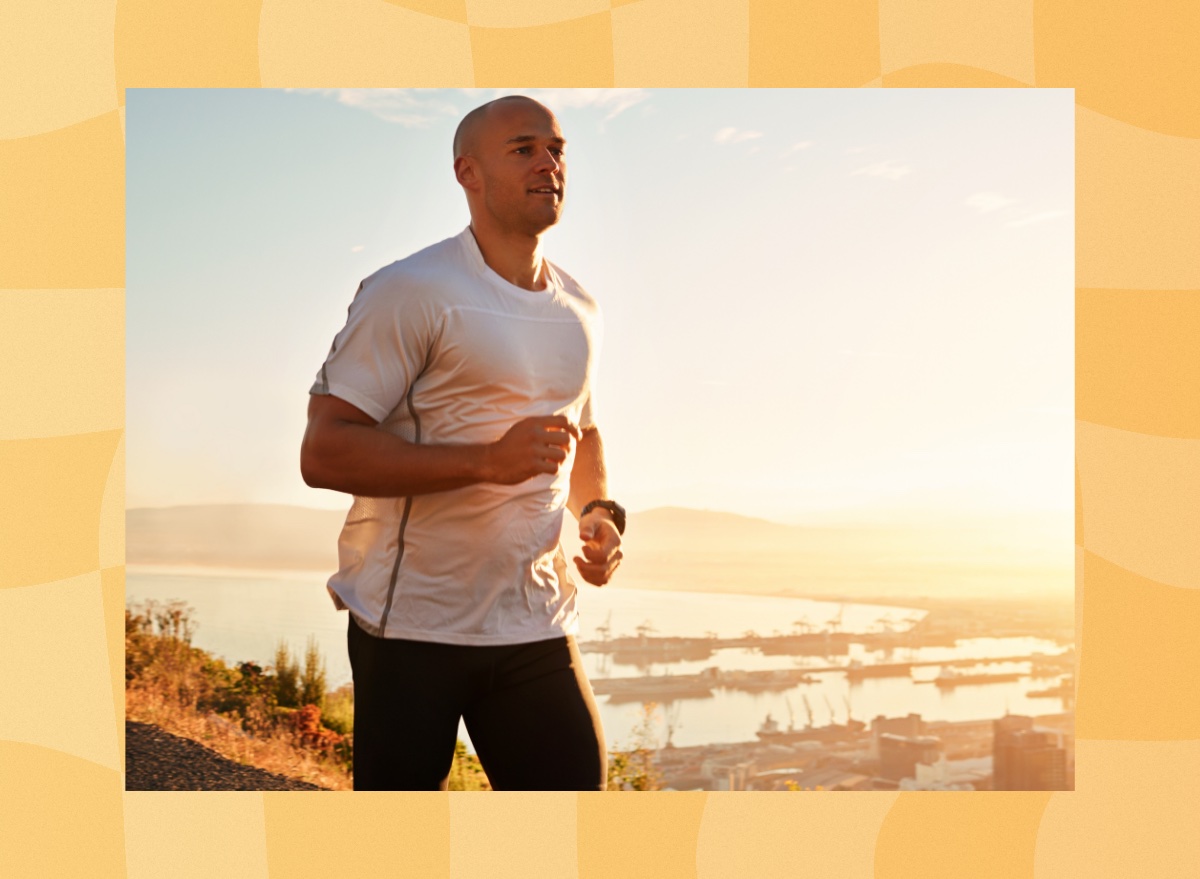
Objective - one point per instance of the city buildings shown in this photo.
(1025, 757)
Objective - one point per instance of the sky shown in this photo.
(818, 304)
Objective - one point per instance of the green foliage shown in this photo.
(466, 773)
(312, 683)
(287, 677)
(248, 694)
(339, 710)
(159, 652)
(159, 658)
(634, 768)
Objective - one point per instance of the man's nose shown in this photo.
(547, 160)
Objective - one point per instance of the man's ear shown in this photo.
(466, 172)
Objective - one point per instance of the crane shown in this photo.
(605, 631)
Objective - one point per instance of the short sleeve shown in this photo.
(383, 347)
(587, 417)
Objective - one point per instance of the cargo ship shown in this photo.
(952, 677)
(771, 733)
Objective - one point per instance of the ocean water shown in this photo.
(243, 615)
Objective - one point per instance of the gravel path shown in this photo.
(157, 760)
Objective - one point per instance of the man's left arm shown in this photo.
(597, 530)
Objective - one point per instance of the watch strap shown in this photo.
(615, 509)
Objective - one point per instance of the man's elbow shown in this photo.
(310, 472)
(313, 469)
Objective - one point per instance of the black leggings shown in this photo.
(528, 708)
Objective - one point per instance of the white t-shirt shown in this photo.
(440, 349)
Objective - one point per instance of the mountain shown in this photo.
(234, 536)
(680, 549)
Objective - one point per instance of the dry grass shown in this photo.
(273, 752)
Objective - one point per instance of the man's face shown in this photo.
(521, 155)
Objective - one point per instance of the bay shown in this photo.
(242, 615)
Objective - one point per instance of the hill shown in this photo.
(234, 536)
(681, 549)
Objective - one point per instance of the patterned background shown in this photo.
(63, 67)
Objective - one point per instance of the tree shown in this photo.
(312, 684)
(287, 677)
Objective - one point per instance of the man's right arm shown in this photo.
(343, 450)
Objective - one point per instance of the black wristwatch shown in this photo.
(617, 511)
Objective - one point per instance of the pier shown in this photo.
(663, 688)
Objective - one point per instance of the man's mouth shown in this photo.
(545, 190)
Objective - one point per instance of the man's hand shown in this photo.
(531, 446)
(601, 546)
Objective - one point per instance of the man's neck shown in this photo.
(514, 257)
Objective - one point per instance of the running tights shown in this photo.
(528, 709)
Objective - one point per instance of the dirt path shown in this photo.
(158, 760)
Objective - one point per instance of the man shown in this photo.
(455, 405)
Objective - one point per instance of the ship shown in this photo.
(770, 732)
(657, 688)
(857, 671)
(952, 677)
(643, 649)
(771, 679)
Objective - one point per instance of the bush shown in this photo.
(339, 710)
(287, 677)
(466, 773)
(187, 690)
(635, 768)
(312, 683)
(159, 653)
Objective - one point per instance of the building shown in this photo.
(899, 755)
(1025, 757)
(912, 725)
(972, 774)
(830, 778)
(727, 773)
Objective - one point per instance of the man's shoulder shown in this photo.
(573, 288)
(431, 270)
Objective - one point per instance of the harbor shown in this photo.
(669, 687)
(684, 634)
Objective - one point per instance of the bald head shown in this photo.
(466, 136)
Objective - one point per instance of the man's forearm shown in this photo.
(368, 462)
(589, 479)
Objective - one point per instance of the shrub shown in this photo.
(466, 773)
(312, 683)
(339, 710)
(635, 768)
(287, 677)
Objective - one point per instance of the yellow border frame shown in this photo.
(63, 811)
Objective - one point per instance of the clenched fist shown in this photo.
(531, 446)
(601, 547)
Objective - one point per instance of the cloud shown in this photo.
(985, 202)
(796, 147)
(420, 108)
(411, 108)
(888, 169)
(734, 135)
(1040, 217)
(358, 248)
(614, 101)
